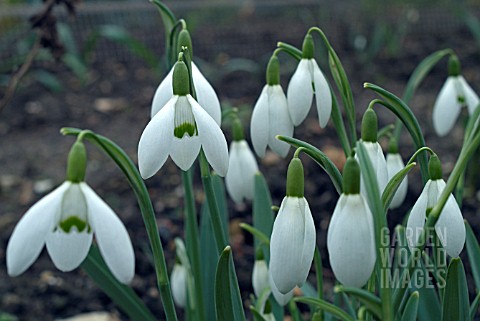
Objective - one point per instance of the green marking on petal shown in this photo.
(461, 99)
(185, 129)
(66, 225)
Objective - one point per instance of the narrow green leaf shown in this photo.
(473, 251)
(411, 308)
(317, 260)
(474, 306)
(48, 80)
(77, 66)
(337, 120)
(257, 316)
(404, 113)
(456, 303)
(421, 71)
(429, 307)
(318, 156)
(257, 233)
(372, 303)
(294, 313)
(226, 308)
(122, 295)
(393, 185)
(262, 211)
(327, 307)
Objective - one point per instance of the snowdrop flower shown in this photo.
(308, 80)
(450, 227)
(292, 242)
(206, 96)
(374, 151)
(270, 115)
(394, 165)
(242, 167)
(260, 280)
(178, 283)
(455, 94)
(180, 129)
(281, 298)
(66, 220)
(351, 235)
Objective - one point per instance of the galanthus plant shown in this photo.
(372, 272)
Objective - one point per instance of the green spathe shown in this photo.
(77, 163)
(184, 40)
(351, 177)
(295, 184)
(454, 67)
(308, 48)
(181, 79)
(369, 126)
(273, 71)
(434, 168)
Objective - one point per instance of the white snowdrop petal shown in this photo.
(111, 235)
(446, 108)
(281, 298)
(300, 93)
(286, 242)
(260, 123)
(416, 219)
(185, 151)
(279, 120)
(471, 98)
(249, 168)
(309, 242)
(207, 98)
(212, 139)
(163, 94)
(351, 242)
(68, 250)
(394, 165)
(375, 154)
(450, 228)
(30, 233)
(178, 283)
(156, 140)
(234, 177)
(260, 277)
(323, 97)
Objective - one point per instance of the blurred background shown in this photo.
(101, 72)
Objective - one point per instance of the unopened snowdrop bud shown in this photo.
(449, 228)
(374, 150)
(178, 283)
(206, 95)
(394, 165)
(280, 297)
(240, 178)
(292, 243)
(65, 221)
(270, 115)
(455, 94)
(308, 80)
(179, 130)
(260, 274)
(351, 235)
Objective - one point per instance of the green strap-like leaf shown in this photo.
(226, 308)
(473, 251)
(403, 112)
(257, 233)
(337, 121)
(456, 303)
(474, 306)
(262, 211)
(327, 307)
(372, 303)
(411, 308)
(317, 155)
(393, 185)
(122, 295)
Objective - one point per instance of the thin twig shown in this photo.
(18, 75)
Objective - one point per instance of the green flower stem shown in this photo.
(193, 242)
(412, 159)
(218, 231)
(465, 154)
(136, 182)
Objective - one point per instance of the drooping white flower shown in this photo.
(379, 164)
(65, 220)
(455, 94)
(179, 129)
(394, 165)
(281, 298)
(292, 244)
(270, 117)
(449, 228)
(351, 241)
(260, 277)
(178, 283)
(241, 174)
(308, 80)
(206, 96)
